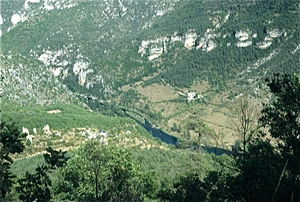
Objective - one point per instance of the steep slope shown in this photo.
(26, 82)
(88, 40)
(95, 46)
(148, 58)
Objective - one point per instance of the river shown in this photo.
(174, 140)
(160, 134)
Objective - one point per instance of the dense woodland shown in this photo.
(263, 166)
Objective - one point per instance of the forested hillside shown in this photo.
(97, 47)
(149, 100)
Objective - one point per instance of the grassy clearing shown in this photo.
(158, 92)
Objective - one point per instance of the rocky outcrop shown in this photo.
(1, 20)
(155, 53)
(206, 43)
(30, 138)
(241, 35)
(80, 66)
(243, 43)
(175, 38)
(82, 78)
(25, 130)
(189, 41)
(54, 111)
(263, 45)
(56, 71)
(191, 96)
(46, 130)
(274, 33)
(51, 58)
(156, 47)
(16, 18)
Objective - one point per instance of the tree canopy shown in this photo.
(10, 143)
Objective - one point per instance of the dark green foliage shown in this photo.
(282, 117)
(108, 173)
(174, 127)
(258, 169)
(55, 158)
(36, 186)
(268, 171)
(179, 129)
(187, 188)
(167, 167)
(10, 143)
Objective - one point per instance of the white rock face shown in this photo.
(158, 46)
(1, 20)
(25, 130)
(57, 133)
(190, 39)
(175, 38)
(263, 45)
(0, 33)
(267, 38)
(210, 46)
(296, 49)
(56, 71)
(65, 73)
(34, 131)
(54, 111)
(157, 43)
(160, 12)
(243, 38)
(44, 58)
(274, 33)
(206, 43)
(50, 57)
(91, 134)
(200, 45)
(190, 96)
(46, 130)
(26, 6)
(30, 137)
(80, 66)
(243, 43)
(65, 63)
(82, 78)
(155, 53)
(226, 17)
(241, 35)
(48, 6)
(15, 19)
